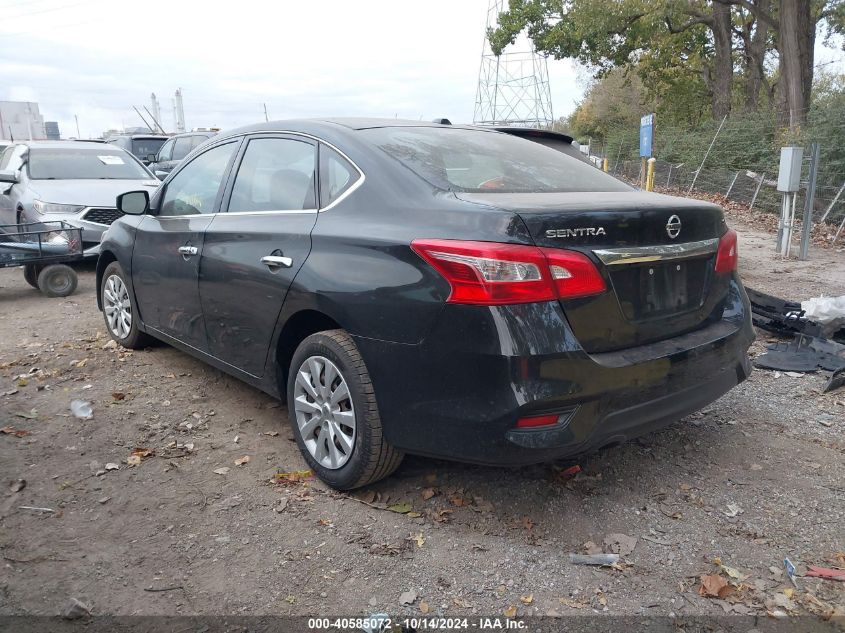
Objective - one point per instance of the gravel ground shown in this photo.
(755, 477)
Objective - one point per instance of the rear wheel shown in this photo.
(119, 311)
(30, 273)
(333, 411)
(57, 280)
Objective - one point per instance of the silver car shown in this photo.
(74, 181)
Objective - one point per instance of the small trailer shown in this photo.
(44, 250)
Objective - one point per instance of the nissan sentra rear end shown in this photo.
(598, 312)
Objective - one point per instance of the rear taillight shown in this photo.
(728, 254)
(490, 273)
(537, 420)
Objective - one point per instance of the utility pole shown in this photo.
(266, 118)
(76, 118)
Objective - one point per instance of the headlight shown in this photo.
(51, 207)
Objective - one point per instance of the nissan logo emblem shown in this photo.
(673, 227)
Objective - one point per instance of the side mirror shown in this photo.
(151, 158)
(9, 175)
(134, 202)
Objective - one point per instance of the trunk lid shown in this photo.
(657, 254)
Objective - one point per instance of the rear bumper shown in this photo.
(459, 394)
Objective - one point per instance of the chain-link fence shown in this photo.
(738, 158)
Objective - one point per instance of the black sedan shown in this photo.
(440, 290)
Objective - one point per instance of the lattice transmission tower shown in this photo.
(513, 88)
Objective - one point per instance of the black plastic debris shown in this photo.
(780, 316)
(805, 354)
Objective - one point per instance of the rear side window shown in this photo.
(276, 174)
(143, 147)
(337, 175)
(458, 159)
(182, 148)
(197, 141)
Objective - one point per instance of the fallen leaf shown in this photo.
(325, 523)
(527, 523)
(574, 604)
(621, 544)
(510, 612)
(401, 508)
(118, 396)
(424, 608)
(222, 471)
(714, 586)
(293, 477)
(22, 382)
(10, 430)
(733, 573)
(133, 460)
(527, 599)
(457, 500)
(242, 460)
(428, 493)
(418, 539)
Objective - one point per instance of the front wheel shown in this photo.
(333, 411)
(119, 311)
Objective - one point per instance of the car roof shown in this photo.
(138, 136)
(65, 144)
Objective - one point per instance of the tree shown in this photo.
(612, 33)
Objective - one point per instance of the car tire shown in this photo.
(30, 274)
(119, 310)
(57, 280)
(334, 355)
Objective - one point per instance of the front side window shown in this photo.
(102, 163)
(337, 175)
(182, 147)
(457, 159)
(194, 189)
(276, 174)
(166, 151)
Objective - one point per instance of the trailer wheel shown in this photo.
(30, 273)
(57, 280)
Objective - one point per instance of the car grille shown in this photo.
(102, 216)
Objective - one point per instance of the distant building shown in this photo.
(51, 130)
(21, 120)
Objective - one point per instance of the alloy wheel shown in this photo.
(117, 306)
(325, 413)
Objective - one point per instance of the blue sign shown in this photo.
(646, 135)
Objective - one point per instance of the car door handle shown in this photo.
(274, 261)
(187, 251)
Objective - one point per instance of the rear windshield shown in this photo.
(143, 147)
(479, 161)
(74, 164)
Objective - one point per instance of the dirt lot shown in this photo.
(754, 478)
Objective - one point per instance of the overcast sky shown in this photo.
(97, 58)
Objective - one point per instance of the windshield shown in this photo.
(143, 147)
(479, 161)
(77, 164)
